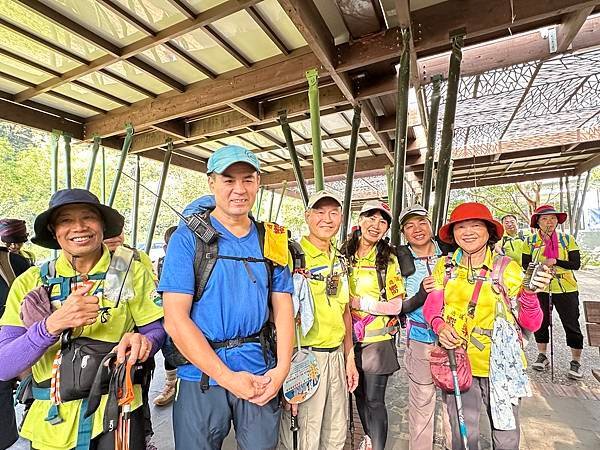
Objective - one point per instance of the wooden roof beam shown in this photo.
(248, 108)
(217, 12)
(175, 128)
(510, 179)
(313, 29)
(570, 27)
(587, 165)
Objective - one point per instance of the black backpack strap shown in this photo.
(6, 270)
(406, 261)
(381, 274)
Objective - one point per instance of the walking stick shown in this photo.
(294, 427)
(459, 409)
(351, 418)
(550, 308)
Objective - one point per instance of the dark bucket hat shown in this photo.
(112, 219)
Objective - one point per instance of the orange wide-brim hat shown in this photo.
(469, 211)
(545, 210)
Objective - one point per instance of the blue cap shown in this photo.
(220, 160)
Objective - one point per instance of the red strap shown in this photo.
(476, 292)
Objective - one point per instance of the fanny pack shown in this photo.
(441, 373)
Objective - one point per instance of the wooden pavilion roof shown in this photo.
(205, 73)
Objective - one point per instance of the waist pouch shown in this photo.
(441, 373)
(266, 337)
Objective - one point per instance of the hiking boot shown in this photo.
(541, 363)
(596, 373)
(168, 393)
(365, 443)
(575, 372)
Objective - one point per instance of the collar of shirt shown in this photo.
(64, 267)
(487, 262)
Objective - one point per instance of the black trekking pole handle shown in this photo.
(452, 359)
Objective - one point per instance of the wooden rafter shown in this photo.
(313, 29)
(570, 27)
(218, 12)
(253, 12)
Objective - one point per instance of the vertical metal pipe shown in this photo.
(90, 172)
(124, 152)
(283, 189)
(390, 186)
(312, 76)
(350, 172)
(103, 177)
(54, 147)
(136, 202)
(67, 143)
(161, 188)
(401, 131)
(562, 199)
(444, 170)
(287, 133)
(431, 137)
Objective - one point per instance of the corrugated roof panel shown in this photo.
(138, 77)
(112, 86)
(259, 139)
(160, 14)
(203, 5)
(85, 95)
(234, 140)
(99, 19)
(39, 25)
(211, 145)
(32, 50)
(246, 36)
(197, 151)
(22, 71)
(302, 127)
(65, 106)
(369, 139)
(10, 87)
(198, 44)
(281, 24)
(168, 62)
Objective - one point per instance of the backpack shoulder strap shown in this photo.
(381, 275)
(564, 240)
(6, 269)
(205, 258)
(449, 268)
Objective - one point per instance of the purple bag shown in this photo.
(441, 373)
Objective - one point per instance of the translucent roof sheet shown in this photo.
(10, 87)
(160, 14)
(246, 36)
(85, 95)
(207, 51)
(31, 21)
(138, 77)
(334, 123)
(110, 85)
(168, 62)
(96, 17)
(23, 71)
(29, 49)
(233, 140)
(281, 24)
(212, 145)
(203, 5)
(258, 139)
(49, 100)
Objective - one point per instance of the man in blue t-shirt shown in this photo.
(416, 228)
(235, 304)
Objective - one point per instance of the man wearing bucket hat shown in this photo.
(559, 251)
(322, 418)
(229, 374)
(63, 301)
(13, 233)
(376, 293)
(471, 307)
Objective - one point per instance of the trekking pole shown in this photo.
(351, 418)
(459, 409)
(294, 427)
(550, 309)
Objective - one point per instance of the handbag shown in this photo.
(441, 373)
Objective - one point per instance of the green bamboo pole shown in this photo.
(401, 133)
(90, 172)
(67, 149)
(161, 188)
(283, 189)
(444, 170)
(271, 204)
(136, 202)
(312, 76)
(103, 176)
(124, 152)
(287, 133)
(350, 172)
(54, 148)
(431, 137)
(390, 186)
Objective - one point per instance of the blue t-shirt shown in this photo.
(412, 285)
(232, 305)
